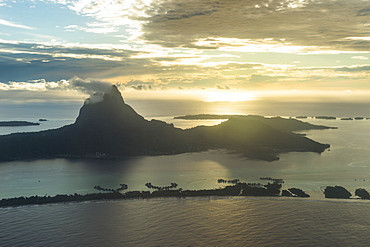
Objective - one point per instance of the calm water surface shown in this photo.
(194, 222)
(189, 222)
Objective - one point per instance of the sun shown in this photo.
(228, 96)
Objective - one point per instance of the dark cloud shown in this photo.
(172, 15)
(223, 87)
(62, 49)
(364, 68)
(323, 23)
(23, 62)
(53, 69)
(364, 12)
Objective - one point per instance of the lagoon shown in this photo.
(347, 162)
(205, 221)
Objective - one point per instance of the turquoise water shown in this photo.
(194, 222)
(347, 162)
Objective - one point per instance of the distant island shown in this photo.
(340, 192)
(16, 123)
(279, 123)
(326, 117)
(238, 189)
(107, 127)
(206, 117)
(222, 117)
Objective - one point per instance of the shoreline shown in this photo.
(107, 199)
(235, 188)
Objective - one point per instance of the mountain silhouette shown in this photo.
(107, 128)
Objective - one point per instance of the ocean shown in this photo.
(189, 222)
(206, 221)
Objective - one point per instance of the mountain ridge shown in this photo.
(107, 127)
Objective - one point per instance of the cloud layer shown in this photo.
(148, 45)
(312, 24)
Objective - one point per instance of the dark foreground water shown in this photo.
(189, 222)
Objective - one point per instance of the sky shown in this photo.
(231, 49)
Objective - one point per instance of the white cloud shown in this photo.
(359, 57)
(12, 24)
(113, 14)
(100, 28)
(85, 86)
(359, 38)
(88, 86)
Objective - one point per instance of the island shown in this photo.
(340, 192)
(337, 192)
(362, 193)
(279, 123)
(17, 123)
(107, 127)
(294, 192)
(326, 117)
(238, 189)
(206, 117)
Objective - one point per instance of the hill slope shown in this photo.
(107, 127)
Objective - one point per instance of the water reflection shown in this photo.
(61, 176)
(345, 164)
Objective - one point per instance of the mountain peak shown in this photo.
(112, 94)
(107, 107)
(108, 127)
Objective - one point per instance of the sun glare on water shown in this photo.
(228, 96)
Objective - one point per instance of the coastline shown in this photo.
(17, 123)
(238, 189)
(104, 197)
(97, 197)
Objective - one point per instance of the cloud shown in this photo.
(85, 86)
(304, 24)
(142, 87)
(22, 61)
(100, 28)
(359, 57)
(223, 87)
(12, 24)
(355, 68)
(89, 86)
(262, 78)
